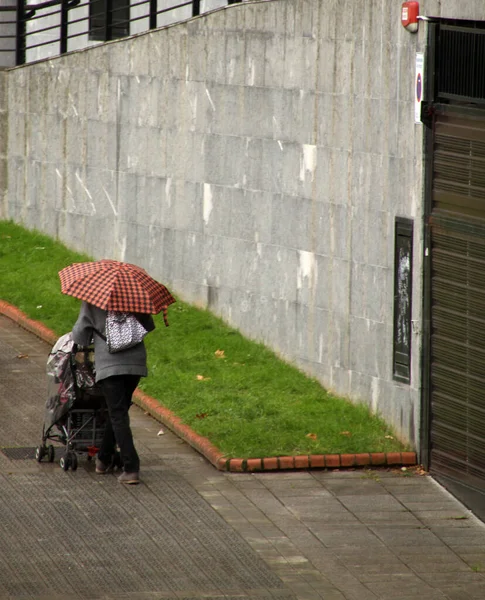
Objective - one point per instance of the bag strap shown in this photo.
(103, 337)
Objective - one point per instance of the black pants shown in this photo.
(118, 391)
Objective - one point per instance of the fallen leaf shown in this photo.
(201, 415)
(22, 356)
(312, 436)
(345, 433)
(389, 437)
(219, 353)
(202, 378)
(161, 432)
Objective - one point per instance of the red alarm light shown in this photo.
(409, 16)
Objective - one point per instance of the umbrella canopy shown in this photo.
(115, 285)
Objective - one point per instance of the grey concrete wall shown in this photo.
(253, 159)
(3, 139)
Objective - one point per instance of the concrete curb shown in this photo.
(205, 446)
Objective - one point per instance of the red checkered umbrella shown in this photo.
(114, 285)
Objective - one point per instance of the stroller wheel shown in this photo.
(39, 453)
(73, 460)
(64, 462)
(51, 453)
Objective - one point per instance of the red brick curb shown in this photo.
(207, 449)
(35, 327)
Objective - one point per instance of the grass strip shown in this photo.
(234, 391)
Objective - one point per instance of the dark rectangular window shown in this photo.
(109, 19)
(403, 277)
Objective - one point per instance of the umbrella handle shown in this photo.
(165, 317)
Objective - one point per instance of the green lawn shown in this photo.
(236, 392)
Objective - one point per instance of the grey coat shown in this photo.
(128, 362)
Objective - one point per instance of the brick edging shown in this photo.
(35, 327)
(205, 446)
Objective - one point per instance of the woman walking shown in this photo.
(118, 375)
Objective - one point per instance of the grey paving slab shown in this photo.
(192, 532)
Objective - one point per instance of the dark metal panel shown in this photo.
(457, 297)
(403, 276)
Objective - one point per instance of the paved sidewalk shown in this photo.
(190, 531)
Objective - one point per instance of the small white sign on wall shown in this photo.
(418, 86)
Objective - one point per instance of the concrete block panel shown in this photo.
(466, 10)
(326, 65)
(334, 233)
(197, 55)
(293, 63)
(340, 381)
(223, 109)
(99, 186)
(364, 386)
(377, 293)
(323, 285)
(251, 215)
(173, 253)
(99, 236)
(381, 228)
(192, 263)
(37, 144)
(346, 68)
(339, 290)
(359, 234)
(364, 345)
(132, 148)
(253, 166)
(143, 101)
(101, 140)
(156, 150)
(358, 288)
(187, 205)
(273, 172)
(274, 69)
(212, 262)
(152, 200)
(346, 26)
(74, 231)
(269, 17)
(214, 151)
(233, 166)
(235, 61)
(331, 175)
(214, 204)
(15, 143)
(234, 18)
(282, 107)
(278, 272)
(236, 270)
(303, 123)
(306, 279)
(255, 59)
(292, 231)
(258, 111)
(216, 62)
(335, 121)
(195, 163)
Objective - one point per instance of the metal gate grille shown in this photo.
(461, 62)
(458, 299)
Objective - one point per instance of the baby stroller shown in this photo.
(75, 412)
